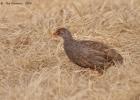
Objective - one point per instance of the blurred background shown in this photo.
(34, 67)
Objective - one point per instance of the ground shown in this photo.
(34, 66)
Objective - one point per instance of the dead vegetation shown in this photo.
(34, 67)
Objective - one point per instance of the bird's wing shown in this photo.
(111, 54)
(94, 45)
(91, 57)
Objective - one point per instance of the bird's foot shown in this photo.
(97, 73)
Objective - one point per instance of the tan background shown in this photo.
(34, 67)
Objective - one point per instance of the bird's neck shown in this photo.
(68, 41)
(68, 37)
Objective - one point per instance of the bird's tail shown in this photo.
(114, 57)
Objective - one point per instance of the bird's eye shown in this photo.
(58, 33)
(61, 32)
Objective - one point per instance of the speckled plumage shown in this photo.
(88, 54)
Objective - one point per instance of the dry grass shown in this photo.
(34, 67)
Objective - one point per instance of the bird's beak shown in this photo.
(54, 36)
(55, 33)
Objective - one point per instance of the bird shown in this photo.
(88, 54)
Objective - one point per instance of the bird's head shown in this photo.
(63, 32)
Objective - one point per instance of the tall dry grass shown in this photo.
(34, 67)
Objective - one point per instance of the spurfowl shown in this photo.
(88, 54)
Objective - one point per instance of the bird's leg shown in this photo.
(98, 71)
